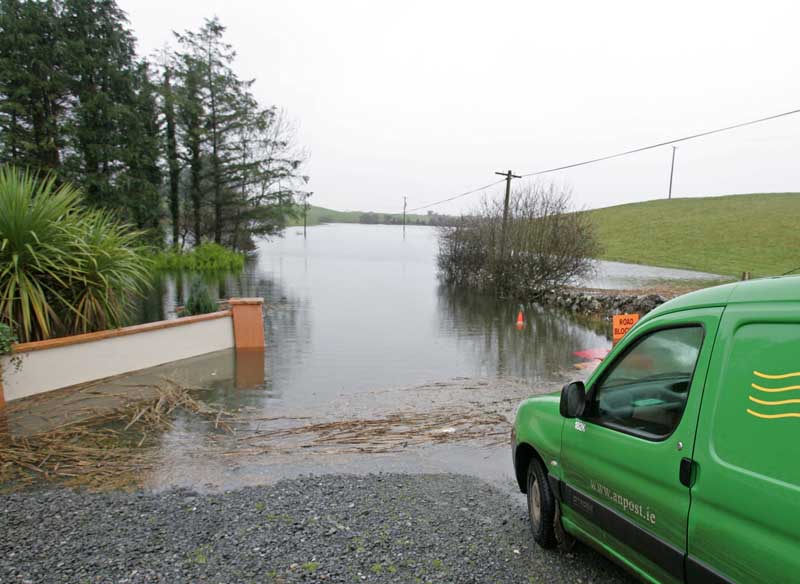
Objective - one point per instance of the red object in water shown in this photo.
(520, 320)
(592, 354)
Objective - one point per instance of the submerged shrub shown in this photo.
(64, 269)
(206, 257)
(199, 301)
(545, 245)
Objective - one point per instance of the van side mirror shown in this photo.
(573, 399)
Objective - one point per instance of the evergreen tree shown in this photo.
(173, 164)
(190, 123)
(222, 94)
(33, 84)
(100, 63)
(243, 146)
(139, 184)
(269, 163)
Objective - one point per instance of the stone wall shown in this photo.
(601, 304)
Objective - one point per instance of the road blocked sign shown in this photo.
(621, 324)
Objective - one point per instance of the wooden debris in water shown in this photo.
(111, 450)
(122, 448)
(386, 434)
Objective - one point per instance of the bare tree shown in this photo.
(548, 244)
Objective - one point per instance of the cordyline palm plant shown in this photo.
(64, 269)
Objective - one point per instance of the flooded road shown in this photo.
(370, 365)
(357, 307)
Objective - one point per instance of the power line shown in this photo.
(610, 156)
(667, 143)
(454, 197)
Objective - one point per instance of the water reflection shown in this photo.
(287, 333)
(541, 350)
(354, 308)
(249, 368)
(151, 307)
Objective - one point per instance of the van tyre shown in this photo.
(541, 505)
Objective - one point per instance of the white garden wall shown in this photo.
(57, 363)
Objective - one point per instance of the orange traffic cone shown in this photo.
(520, 320)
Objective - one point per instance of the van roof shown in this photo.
(780, 289)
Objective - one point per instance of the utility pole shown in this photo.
(405, 204)
(509, 175)
(671, 171)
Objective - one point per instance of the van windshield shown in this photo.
(645, 391)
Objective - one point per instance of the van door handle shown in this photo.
(685, 474)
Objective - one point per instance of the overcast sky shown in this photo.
(428, 98)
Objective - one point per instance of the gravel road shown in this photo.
(337, 528)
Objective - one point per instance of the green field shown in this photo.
(319, 215)
(723, 235)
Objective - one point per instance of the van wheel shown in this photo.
(541, 505)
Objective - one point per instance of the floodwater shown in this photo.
(356, 307)
(361, 334)
(618, 275)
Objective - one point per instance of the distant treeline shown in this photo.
(370, 218)
(317, 215)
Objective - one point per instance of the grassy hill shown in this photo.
(319, 215)
(725, 235)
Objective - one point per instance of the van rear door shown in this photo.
(744, 524)
(623, 461)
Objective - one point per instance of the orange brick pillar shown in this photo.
(248, 323)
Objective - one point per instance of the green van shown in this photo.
(680, 456)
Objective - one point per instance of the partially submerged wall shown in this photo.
(56, 363)
(66, 361)
(601, 304)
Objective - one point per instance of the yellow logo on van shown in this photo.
(774, 402)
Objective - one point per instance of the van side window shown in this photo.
(644, 393)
